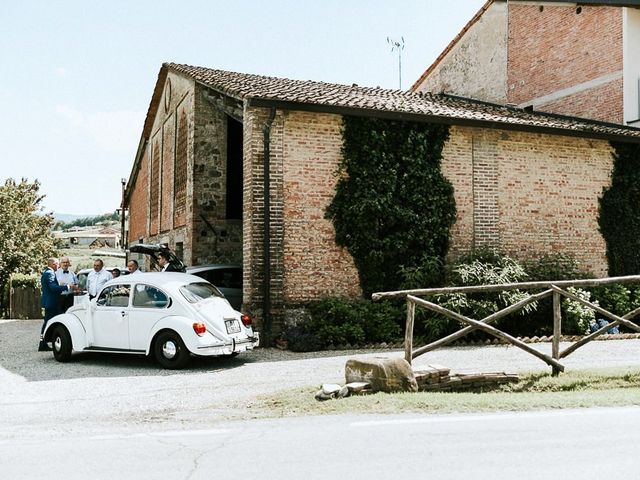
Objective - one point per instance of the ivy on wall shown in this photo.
(393, 208)
(619, 214)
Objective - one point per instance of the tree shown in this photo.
(25, 232)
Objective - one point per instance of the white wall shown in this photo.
(631, 60)
(476, 66)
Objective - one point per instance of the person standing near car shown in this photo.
(165, 263)
(51, 291)
(133, 267)
(97, 278)
(65, 276)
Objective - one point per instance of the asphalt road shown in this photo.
(585, 444)
(85, 418)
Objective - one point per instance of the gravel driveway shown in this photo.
(91, 391)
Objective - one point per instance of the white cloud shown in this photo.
(75, 117)
(117, 131)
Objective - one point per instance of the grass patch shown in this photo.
(535, 391)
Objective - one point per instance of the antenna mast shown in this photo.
(398, 46)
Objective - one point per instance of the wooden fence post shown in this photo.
(408, 333)
(557, 331)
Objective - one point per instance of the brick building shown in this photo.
(555, 56)
(238, 167)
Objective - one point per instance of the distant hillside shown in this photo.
(83, 220)
(68, 217)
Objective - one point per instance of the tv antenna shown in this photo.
(397, 46)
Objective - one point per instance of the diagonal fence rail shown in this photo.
(555, 289)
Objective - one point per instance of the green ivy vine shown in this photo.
(393, 209)
(619, 213)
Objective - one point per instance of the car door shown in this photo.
(149, 304)
(110, 318)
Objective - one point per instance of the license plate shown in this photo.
(233, 326)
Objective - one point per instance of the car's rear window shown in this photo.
(196, 292)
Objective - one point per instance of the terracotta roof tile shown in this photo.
(454, 110)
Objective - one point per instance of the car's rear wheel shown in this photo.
(61, 343)
(170, 351)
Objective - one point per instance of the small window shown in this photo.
(146, 296)
(114, 296)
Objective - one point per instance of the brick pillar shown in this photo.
(486, 213)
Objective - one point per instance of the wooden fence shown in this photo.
(24, 302)
(556, 289)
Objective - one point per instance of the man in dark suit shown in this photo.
(51, 291)
(165, 263)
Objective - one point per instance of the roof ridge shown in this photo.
(185, 68)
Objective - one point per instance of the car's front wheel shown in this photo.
(170, 351)
(61, 342)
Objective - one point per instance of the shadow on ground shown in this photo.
(19, 355)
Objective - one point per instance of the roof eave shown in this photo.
(420, 117)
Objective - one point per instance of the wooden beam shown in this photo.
(489, 329)
(490, 319)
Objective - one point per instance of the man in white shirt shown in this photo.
(133, 267)
(65, 276)
(97, 278)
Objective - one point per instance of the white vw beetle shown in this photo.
(170, 315)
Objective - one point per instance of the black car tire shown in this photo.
(61, 344)
(170, 351)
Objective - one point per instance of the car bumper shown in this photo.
(230, 347)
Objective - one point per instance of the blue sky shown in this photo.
(77, 76)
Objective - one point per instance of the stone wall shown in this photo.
(216, 239)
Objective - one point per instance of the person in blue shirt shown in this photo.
(51, 291)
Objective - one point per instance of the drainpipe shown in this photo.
(266, 303)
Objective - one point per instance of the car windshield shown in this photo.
(196, 292)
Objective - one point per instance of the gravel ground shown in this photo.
(95, 390)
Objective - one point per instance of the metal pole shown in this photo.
(123, 240)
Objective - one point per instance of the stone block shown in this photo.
(384, 374)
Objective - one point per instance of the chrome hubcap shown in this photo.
(169, 349)
(57, 344)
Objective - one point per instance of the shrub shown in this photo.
(576, 317)
(339, 321)
(618, 298)
(478, 267)
(557, 266)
